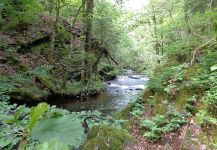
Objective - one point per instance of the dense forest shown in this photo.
(53, 50)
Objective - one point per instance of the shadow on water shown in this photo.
(118, 93)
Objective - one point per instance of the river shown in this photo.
(117, 94)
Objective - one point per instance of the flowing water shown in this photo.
(118, 93)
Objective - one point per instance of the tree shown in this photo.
(54, 24)
(88, 35)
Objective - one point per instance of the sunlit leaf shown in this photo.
(36, 113)
(213, 68)
(52, 145)
(65, 129)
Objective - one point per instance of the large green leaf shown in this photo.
(213, 68)
(64, 129)
(52, 145)
(36, 113)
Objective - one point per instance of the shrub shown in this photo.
(154, 127)
(108, 72)
(169, 75)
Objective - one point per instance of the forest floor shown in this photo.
(183, 139)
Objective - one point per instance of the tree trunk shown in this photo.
(156, 45)
(186, 3)
(208, 21)
(88, 31)
(52, 43)
(52, 53)
(51, 7)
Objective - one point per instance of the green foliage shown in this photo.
(35, 114)
(211, 97)
(213, 68)
(52, 145)
(19, 123)
(13, 120)
(137, 109)
(79, 88)
(65, 129)
(153, 127)
(208, 60)
(18, 12)
(40, 126)
(203, 117)
(156, 126)
(166, 79)
(107, 71)
(190, 104)
(6, 86)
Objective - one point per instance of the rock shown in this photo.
(107, 138)
(135, 76)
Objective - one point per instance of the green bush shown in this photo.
(6, 86)
(208, 60)
(168, 75)
(154, 127)
(107, 71)
(137, 109)
(18, 12)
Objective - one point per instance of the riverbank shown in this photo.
(116, 95)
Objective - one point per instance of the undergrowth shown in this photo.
(26, 128)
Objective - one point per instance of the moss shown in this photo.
(46, 81)
(41, 48)
(147, 93)
(22, 68)
(28, 93)
(13, 60)
(213, 134)
(125, 113)
(160, 105)
(12, 25)
(208, 136)
(107, 138)
(201, 106)
(108, 72)
(171, 61)
(111, 75)
(127, 125)
(192, 71)
(81, 89)
(181, 100)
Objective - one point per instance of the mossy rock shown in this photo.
(147, 93)
(46, 81)
(192, 71)
(184, 94)
(111, 75)
(107, 138)
(108, 72)
(125, 113)
(22, 68)
(29, 93)
(160, 103)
